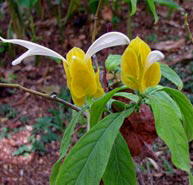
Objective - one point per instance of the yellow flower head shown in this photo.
(81, 78)
(139, 66)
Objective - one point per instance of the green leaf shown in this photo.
(170, 130)
(133, 6)
(73, 6)
(98, 106)
(164, 96)
(93, 4)
(171, 75)
(27, 3)
(153, 9)
(186, 109)
(168, 3)
(190, 179)
(120, 169)
(21, 150)
(64, 146)
(88, 159)
(112, 63)
(129, 96)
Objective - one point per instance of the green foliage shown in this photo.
(185, 108)
(88, 159)
(64, 146)
(23, 149)
(27, 3)
(169, 128)
(129, 96)
(98, 106)
(8, 111)
(171, 75)
(151, 5)
(133, 6)
(4, 132)
(120, 169)
(152, 38)
(167, 166)
(168, 3)
(24, 119)
(112, 63)
(74, 4)
(45, 127)
(93, 4)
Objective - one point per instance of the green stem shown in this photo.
(188, 27)
(129, 29)
(34, 39)
(96, 20)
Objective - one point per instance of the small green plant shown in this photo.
(8, 111)
(22, 150)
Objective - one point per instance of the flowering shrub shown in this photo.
(136, 114)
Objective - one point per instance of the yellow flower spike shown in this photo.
(100, 90)
(81, 78)
(139, 66)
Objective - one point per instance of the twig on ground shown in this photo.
(44, 95)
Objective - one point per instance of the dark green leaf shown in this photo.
(88, 159)
(98, 106)
(153, 9)
(170, 130)
(133, 6)
(93, 4)
(112, 63)
(120, 169)
(171, 75)
(64, 146)
(186, 109)
(21, 150)
(168, 3)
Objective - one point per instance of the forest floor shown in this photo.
(19, 110)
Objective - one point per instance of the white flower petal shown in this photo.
(33, 49)
(154, 56)
(105, 41)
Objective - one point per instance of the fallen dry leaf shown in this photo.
(107, 13)
(169, 45)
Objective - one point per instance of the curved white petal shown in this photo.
(107, 40)
(154, 56)
(33, 49)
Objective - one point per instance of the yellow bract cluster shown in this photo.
(136, 72)
(82, 81)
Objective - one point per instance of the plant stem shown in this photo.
(129, 31)
(188, 27)
(96, 20)
(44, 95)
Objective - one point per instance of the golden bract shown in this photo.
(81, 79)
(137, 72)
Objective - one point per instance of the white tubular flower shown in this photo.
(33, 49)
(105, 41)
